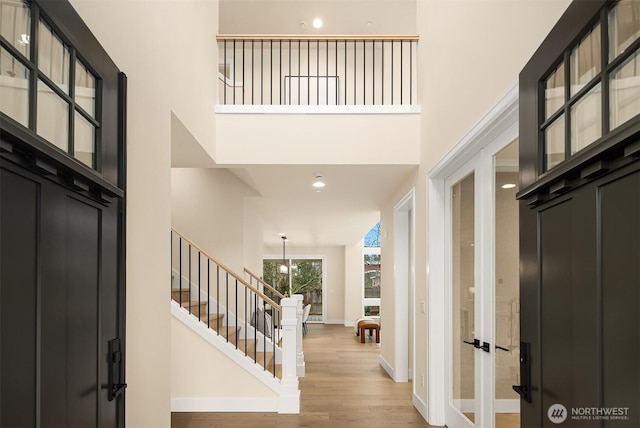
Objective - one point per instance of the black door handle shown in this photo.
(524, 390)
(475, 343)
(116, 386)
(502, 348)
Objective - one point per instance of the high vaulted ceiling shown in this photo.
(346, 209)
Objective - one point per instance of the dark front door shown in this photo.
(58, 304)
(580, 221)
(62, 222)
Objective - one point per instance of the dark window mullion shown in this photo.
(33, 73)
(98, 120)
(585, 89)
(628, 52)
(72, 93)
(604, 73)
(542, 152)
(567, 107)
(54, 87)
(4, 43)
(552, 118)
(87, 116)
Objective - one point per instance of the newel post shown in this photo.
(290, 394)
(299, 351)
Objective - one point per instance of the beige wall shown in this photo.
(345, 139)
(147, 41)
(207, 206)
(220, 377)
(339, 16)
(353, 283)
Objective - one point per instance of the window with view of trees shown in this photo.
(305, 279)
(371, 275)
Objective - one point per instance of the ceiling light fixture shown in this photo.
(318, 181)
(508, 186)
(317, 23)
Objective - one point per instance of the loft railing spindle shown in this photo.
(224, 72)
(401, 69)
(218, 299)
(243, 77)
(180, 274)
(234, 72)
(253, 69)
(382, 72)
(355, 69)
(392, 101)
(373, 69)
(410, 73)
(364, 72)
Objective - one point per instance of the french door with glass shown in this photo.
(481, 244)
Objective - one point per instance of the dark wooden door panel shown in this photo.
(620, 230)
(19, 198)
(60, 304)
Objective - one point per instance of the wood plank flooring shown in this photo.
(344, 387)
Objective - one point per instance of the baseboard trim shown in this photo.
(222, 404)
(334, 322)
(421, 407)
(387, 367)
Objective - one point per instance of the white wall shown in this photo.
(147, 41)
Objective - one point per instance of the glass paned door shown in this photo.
(463, 296)
(482, 253)
(463, 311)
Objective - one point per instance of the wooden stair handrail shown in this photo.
(229, 271)
(320, 37)
(266, 284)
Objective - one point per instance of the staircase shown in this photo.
(261, 336)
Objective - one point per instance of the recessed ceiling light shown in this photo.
(317, 23)
(318, 181)
(508, 186)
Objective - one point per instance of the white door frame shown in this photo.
(500, 123)
(403, 279)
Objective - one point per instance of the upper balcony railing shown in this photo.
(317, 70)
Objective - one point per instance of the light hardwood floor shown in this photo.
(344, 387)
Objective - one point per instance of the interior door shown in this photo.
(482, 284)
(465, 362)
